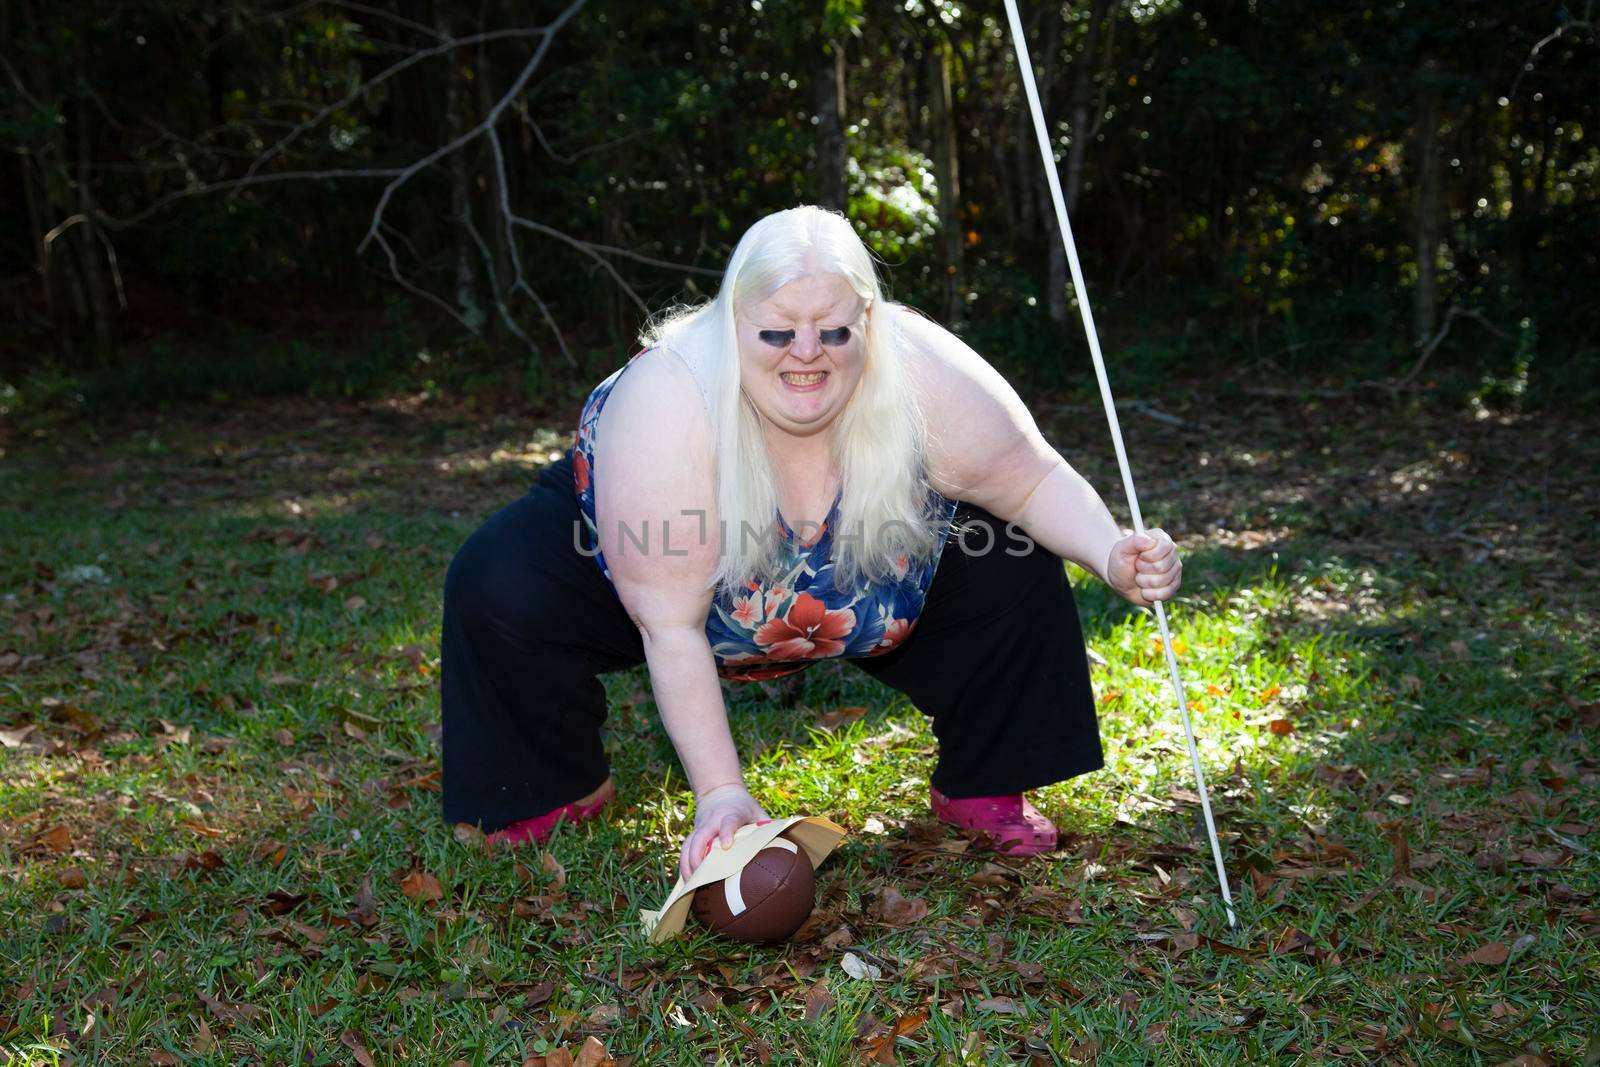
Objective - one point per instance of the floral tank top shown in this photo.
(781, 627)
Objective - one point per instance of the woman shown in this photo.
(793, 471)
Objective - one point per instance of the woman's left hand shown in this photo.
(1145, 568)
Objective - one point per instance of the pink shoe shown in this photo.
(1013, 826)
(536, 829)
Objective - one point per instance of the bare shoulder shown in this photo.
(944, 368)
(983, 443)
(655, 489)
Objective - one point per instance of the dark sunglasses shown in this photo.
(784, 338)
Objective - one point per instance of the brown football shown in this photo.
(767, 901)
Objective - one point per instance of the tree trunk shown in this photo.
(942, 120)
(829, 106)
(464, 252)
(1426, 145)
(1056, 287)
(1082, 90)
(498, 240)
(91, 256)
(37, 198)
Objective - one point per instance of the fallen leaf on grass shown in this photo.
(73, 878)
(592, 1054)
(352, 1041)
(1001, 1006)
(1402, 852)
(1281, 727)
(365, 912)
(1492, 954)
(557, 873)
(205, 1041)
(896, 910)
(57, 839)
(15, 738)
(818, 1000)
(209, 860)
(270, 853)
(835, 717)
(859, 969)
(420, 885)
(880, 1048)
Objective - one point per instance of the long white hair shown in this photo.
(888, 518)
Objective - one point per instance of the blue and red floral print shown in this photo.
(781, 627)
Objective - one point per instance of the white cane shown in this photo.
(1021, 44)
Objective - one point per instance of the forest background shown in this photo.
(213, 200)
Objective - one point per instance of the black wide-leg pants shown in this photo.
(997, 659)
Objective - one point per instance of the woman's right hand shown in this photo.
(718, 814)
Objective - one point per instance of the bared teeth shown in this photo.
(804, 379)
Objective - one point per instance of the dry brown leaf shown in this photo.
(1402, 852)
(57, 839)
(836, 717)
(557, 873)
(1001, 1006)
(354, 732)
(15, 738)
(592, 1054)
(366, 909)
(1281, 727)
(73, 878)
(1492, 954)
(271, 853)
(818, 1000)
(420, 885)
(896, 910)
(205, 1041)
(559, 1057)
(352, 1041)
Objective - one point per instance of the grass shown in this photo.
(220, 842)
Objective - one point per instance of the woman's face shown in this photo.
(801, 352)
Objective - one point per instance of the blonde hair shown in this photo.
(878, 442)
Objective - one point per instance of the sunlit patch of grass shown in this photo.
(1430, 706)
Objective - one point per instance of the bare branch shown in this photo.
(494, 284)
(450, 44)
(1438, 338)
(507, 218)
(398, 20)
(588, 250)
(1533, 53)
(394, 271)
(557, 156)
(549, 35)
(201, 188)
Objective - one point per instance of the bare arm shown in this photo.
(655, 504)
(654, 497)
(986, 448)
